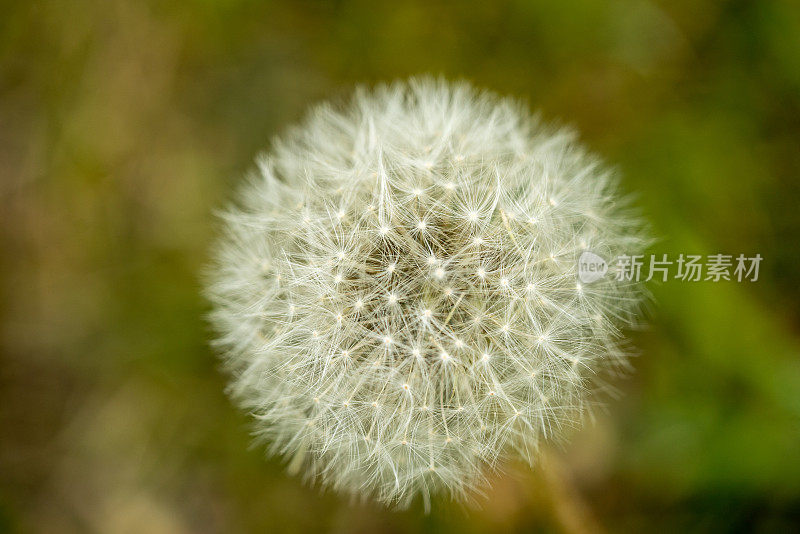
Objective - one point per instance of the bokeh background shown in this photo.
(125, 123)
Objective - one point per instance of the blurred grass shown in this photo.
(123, 124)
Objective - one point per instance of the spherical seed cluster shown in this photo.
(396, 293)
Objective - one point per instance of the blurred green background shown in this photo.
(124, 123)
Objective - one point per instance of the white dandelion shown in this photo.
(396, 292)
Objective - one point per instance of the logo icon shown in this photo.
(591, 267)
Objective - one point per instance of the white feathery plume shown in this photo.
(396, 292)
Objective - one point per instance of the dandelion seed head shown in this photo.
(368, 289)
